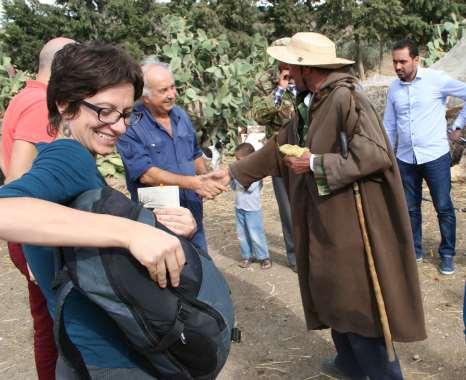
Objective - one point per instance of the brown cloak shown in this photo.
(333, 273)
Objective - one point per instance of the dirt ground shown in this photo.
(275, 342)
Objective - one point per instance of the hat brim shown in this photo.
(291, 57)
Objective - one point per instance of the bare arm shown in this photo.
(205, 187)
(33, 221)
(155, 177)
(22, 155)
(200, 165)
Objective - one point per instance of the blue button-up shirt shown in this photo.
(147, 144)
(415, 115)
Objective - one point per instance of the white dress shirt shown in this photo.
(415, 115)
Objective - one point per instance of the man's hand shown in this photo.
(178, 219)
(221, 176)
(158, 251)
(284, 78)
(299, 165)
(455, 135)
(207, 187)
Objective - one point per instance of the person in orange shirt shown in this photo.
(24, 124)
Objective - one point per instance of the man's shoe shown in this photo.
(419, 259)
(330, 367)
(447, 265)
(293, 267)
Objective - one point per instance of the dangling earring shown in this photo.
(67, 130)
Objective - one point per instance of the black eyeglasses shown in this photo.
(111, 115)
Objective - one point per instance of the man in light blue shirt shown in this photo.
(416, 126)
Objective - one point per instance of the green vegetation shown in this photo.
(10, 82)
(445, 36)
(217, 48)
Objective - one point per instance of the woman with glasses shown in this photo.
(90, 99)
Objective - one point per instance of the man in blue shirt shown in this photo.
(416, 126)
(162, 149)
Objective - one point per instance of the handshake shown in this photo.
(209, 185)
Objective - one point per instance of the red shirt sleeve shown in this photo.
(32, 125)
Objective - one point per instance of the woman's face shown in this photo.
(96, 136)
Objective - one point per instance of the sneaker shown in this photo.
(419, 259)
(293, 267)
(447, 266)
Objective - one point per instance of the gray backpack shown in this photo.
(175, 333)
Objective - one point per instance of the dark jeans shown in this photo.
(193, 202)
(359, 356)
(285, 217)
(45, 352)
(438, 179)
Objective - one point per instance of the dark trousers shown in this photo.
(45, 352)
(285, 217)
(438, 179)
(359, 356)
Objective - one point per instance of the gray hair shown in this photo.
(146, 64)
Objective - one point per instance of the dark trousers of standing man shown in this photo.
(438, 178)
(285, 217)
(359, 357)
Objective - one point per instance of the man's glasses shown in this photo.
(111, 115)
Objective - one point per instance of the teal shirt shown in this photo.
(62, 170)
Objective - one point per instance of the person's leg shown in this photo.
(438, 178)
(345, 361)
(371, 356)
(411, 176)
(45, 351)
(245, 247)
(255, 228)
(285, 217)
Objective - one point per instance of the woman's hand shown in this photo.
(158, 251)
(178, 219)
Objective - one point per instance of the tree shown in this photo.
(288, 17)
(26, 26)
(420, 16)
(358, 22)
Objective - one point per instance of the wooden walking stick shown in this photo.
(370, 261)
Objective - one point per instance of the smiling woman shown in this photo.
(90, 99)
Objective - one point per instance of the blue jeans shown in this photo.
(251, 236)
(438, 179)
(285, 217)
(193, 202)
(359, 356)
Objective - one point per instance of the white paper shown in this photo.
(159, 196)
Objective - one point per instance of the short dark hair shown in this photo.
(244, 149)
(407, 43)
(80, 71)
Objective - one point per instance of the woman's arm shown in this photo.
(32, 221)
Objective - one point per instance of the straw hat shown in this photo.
(308, 49)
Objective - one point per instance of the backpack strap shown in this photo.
(66, 348)
(175, 334)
